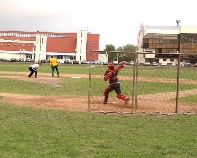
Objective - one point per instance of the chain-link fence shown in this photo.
(159, 88)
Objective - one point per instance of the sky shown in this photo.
(117, 21)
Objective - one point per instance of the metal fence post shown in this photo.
(133, 88)
(177, 88)
(89, 87)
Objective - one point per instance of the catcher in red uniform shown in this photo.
(111, 75)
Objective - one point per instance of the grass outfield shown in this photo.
(143, 71)
(35, 133)
(39, 133)
(77, 86)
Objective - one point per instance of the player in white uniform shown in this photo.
(34, 68)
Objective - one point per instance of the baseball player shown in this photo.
(54, 65)
(114, 84)
(34, 69)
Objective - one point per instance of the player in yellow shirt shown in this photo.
(54, 65)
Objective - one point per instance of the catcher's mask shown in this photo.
(111, 66)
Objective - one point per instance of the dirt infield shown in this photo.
(146, 103)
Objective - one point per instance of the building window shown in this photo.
(155, 41)
(95, 42)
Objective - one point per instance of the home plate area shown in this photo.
(114, 105)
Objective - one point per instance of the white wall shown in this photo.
(103, 58)
(140, 43)
(188, 29)
(81, 45)
(40, 47)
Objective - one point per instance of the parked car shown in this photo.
(75, 62)
(154, 63)
(131, 63)
(67, 61)
(43, 61)
(164, 64)
(125, 62)
(29, 60)
(115, 62)
(147, 63)
(13, 60)
(173, 64)
(182, 64)
(84, 62)
(195, 65)
(188, 64)
(105, 63)
(20, 60)
(61, 61)
(97, 62)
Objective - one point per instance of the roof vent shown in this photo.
(178, 22)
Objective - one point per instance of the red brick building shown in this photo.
(41, 45)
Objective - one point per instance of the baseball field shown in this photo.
(48, 117)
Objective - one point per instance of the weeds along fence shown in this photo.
(152, 89)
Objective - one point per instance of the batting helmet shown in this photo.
(111, 66)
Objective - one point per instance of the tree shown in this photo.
(128, 55)
(109, 47)
(111, 56)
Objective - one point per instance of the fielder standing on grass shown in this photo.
(54, 65)
(34, 69)
(114, 84)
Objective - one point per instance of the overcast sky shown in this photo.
(117, 21)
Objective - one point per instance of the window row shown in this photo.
(15, 44)
(31, 35)
(156, 35)
(171, 41)
(89, 42)
(149, 45)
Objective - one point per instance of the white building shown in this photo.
(160, 43)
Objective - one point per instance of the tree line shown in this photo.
(121, 53)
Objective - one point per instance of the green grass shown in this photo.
(79, 86)
(28, 132)
(39, 133)
(153, 72)
(45, 68)
(191, 98)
